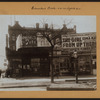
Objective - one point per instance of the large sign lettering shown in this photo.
(29, 41)
(79, 41)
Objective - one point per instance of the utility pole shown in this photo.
(76, 71)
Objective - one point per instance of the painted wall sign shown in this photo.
(29, 41)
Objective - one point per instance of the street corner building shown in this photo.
(29, 52)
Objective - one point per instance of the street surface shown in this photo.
(41, 83)
(24, 89)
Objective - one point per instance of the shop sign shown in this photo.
(29, 41)
(78, 41)
(26, 41)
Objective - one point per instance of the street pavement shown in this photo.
(24, 89)
(61, 83)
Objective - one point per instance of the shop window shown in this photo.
(57, 66)
(28, 66)
(13, 38)
(35, 69)
(35, 63)
(58, 52)
(94, 57)
(17, 70)
(94, 64)
(19, 66)
(91, 37)
(24, 67)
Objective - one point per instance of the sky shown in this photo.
(83, 24)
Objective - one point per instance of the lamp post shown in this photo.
(75, 56)
(91, 60)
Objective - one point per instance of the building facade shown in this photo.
(85, 45)
(29, 52)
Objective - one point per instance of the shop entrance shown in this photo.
(26, 68)
(40, 66)
(35, 61)
(35, 66)
(64, 66)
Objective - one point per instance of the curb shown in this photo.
(23, 86)
(82, 80)
(70, 89)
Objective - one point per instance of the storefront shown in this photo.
(28, 52)
(29, 62)
(85, 45)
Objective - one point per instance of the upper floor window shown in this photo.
(13, 37)
(13, 48)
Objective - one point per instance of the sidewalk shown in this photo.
(61, 83)
(71, 86)
(86, 83)
(9, 83)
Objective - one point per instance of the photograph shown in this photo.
(48, 53)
